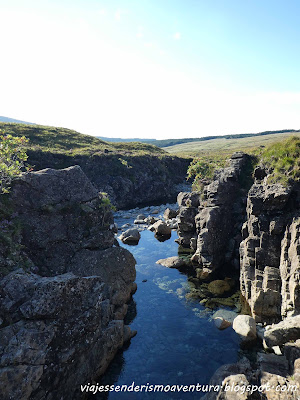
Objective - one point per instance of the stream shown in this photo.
(177, 342)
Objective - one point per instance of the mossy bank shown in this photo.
(131, 173)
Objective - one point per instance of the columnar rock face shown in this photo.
(61, 320)
(269, 252)
(188, 208)
(263, 223)
(254, 229)
(214, 217)
(290, 269)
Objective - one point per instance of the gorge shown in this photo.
(67, 282)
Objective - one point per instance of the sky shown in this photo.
(152, 68)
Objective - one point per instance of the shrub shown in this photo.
(283, 160)
(204, 168)
(12, 158)
(105, 203)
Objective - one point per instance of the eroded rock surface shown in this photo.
(209, 222)
(62, 319)
(269, 252)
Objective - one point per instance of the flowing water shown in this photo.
(177, 343)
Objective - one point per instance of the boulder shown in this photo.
(63, 323)
(219, 287)
(139, 221)
(226, 315)
(170, 213)
(236, 383)
(221, 323)
(283, 332)
(161, 228)
(130, 236)
(172, 262)
(150, 220)
(245, 326)
(227, 373)
(61, 329)
(172, 223)
(60, 212)
(188, 199)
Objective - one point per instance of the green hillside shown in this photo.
(223, 146)
(67, 141)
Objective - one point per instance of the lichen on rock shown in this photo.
(62, 320)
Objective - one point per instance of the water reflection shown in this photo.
(176, 341)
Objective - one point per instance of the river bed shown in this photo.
(177, 342)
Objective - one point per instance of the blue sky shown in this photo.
(152, 68)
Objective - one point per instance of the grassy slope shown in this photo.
(282, 159)
(225, 147)
(66, 141)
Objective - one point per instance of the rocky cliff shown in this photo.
(210, 221)
(270, 261)
(254, 230)
(129, 180)
(63, 301)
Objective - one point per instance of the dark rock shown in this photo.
(130, 236)
(66, 325)
(218, 218)
(219, 287)
(259, 173)
(170, 214)
(61, 212)
(188, 199)
(161, 228)
(150, 179)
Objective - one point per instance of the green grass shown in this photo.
(67, 141)
(282, 160)
(225, 147)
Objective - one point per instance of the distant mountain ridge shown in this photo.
(173, 142)
(107, 139)
(17, 121)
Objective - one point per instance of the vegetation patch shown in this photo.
(226, 147)
(282, 160)
(202, 169)
(69, 142)
(12, 159)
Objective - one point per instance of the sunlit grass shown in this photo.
(66, 141)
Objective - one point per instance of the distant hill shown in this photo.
(17, 121)
(174, 142)
(66, 141)
(107, 139)
(225, 146)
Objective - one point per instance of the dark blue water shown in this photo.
(177, 343)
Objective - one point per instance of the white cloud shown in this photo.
(102, 12)
(118, 15)
(148, 44)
